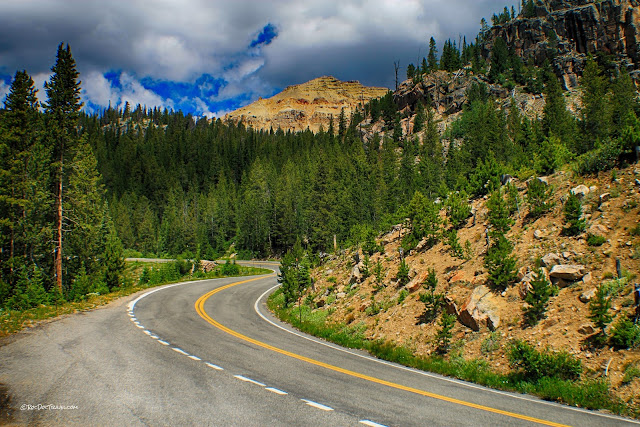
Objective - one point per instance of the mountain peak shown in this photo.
(306, 105)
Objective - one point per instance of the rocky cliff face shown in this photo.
(565, 31)
(308, 105)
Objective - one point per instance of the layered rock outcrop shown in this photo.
(307, 105)
(565, 31)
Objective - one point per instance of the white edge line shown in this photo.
(276, 391)
(429, 374)
(317, 405)
(179, 350)
(249, 380)
(216, 367)
(371, 423)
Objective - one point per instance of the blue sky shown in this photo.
(209, 57)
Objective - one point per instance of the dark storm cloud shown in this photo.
(161, 49)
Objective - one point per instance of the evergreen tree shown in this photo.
(499, 60)
(113, 261)
(411, 71)
(573, 216)
(595, 112)
(557, 120)
(432, 57)
(432, 301)
(62, 111)
(599, 307)
(18, 139)
(537, 298)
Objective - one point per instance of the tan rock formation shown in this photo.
(307, 105)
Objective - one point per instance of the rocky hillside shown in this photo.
(347, 288)
(565, 31)
(307, 105)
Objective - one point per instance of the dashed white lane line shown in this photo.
(163, 342)
(371, 423)
(317, 405)
(139, 326)
(216, 367)
(147, 332)
(249, 380)
(194, 358)
(276, 391)
(179, 350)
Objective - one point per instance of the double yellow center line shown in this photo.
(200, 310)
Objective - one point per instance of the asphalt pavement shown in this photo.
(210, 353)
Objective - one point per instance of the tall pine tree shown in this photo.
(61, 113)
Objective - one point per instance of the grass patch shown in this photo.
(586, 393)
(12, 321)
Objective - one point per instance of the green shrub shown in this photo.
(631, 371)
(403, 295)
(491, 343)
(230, 269)
(602, 158)
(625, 333)
(534, 365)
(595, 240)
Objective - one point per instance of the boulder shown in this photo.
(457, 279)
(587, 279)
(598, 230)
(568, 272)
(550, 260)
(479, 309)
(544, 180)
(450, 306)
(416, 283)
(537, 234)
(586, 296)
(356, 275)
(340, 295)
(586, 329)
(581, 191)
(604, 197)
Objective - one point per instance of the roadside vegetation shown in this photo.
(551, 375)
(137, 276)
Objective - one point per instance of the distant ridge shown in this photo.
(307, 105)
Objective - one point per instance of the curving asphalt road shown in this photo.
(209, 353)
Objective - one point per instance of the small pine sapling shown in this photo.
(444, 334)
(403, 273)
(599, 307)
(377, 271)
(432, 301)
(538, 298)
(573, 216)
(538, 198)
(454, 243)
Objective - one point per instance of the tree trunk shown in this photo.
(58, 260)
